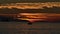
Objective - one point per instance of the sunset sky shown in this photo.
(30, 5)
(14, 1)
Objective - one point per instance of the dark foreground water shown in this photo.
(24, 28)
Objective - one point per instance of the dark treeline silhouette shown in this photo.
(16, 11)
(4, 18)
(10, 19)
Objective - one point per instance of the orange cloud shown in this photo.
(30, 5)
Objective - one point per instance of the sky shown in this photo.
(14, 1)
(22, 1)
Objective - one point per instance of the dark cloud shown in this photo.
(14, 1)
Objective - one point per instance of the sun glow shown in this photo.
(30, 5)
(39, 16)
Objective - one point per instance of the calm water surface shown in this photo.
(24, 28)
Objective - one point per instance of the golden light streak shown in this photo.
(39, 16)
(30, 5)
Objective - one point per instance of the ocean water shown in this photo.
(24, 28)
